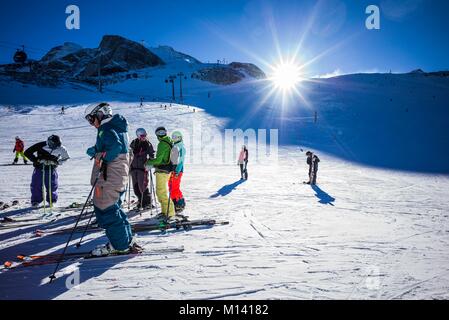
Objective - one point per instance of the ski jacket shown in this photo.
(243, 156)
(309, 160)
(177, 156)
(142, 151)
(112, 138)
(46, 155)
(19, 147)
(162, 161)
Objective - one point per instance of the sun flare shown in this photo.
(286, 76)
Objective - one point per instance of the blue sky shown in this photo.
(413, 34)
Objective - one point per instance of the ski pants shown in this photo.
(140, 186)
(162, 194)
(20, 154)
(243, 168)
(313, 177)
(116, 224)
(174, 185)
(41, 177)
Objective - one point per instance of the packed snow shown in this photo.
(375, 226)
(363, 232)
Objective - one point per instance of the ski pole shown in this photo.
(49, 188)
(85, 230)
(43, 187)
(141, 195)
(129, 191)
(153, 191)
(52, 277)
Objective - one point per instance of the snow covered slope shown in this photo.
(396, 121)
(361, 233)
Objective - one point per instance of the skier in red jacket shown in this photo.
(18, 149)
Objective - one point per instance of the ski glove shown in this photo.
(148, 166)
(91, 152)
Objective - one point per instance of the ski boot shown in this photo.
(107, 249)
(134, 247)
(180, 204)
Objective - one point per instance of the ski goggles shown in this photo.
(161, 133)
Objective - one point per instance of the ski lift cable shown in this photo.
(28, 48)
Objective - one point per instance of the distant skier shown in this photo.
(312, 161)
(18, 149)
(49, 155)
(62, 110)
(141, 102)
(163, 168)
(243, 163)
(142, 150)
(177, 157)
(111, 166)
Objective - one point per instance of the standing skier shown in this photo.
(163, 168)
(243, 163)
(142, 150)
(177, 157)
(18, 149)
(111, 168)
(312, 161)
(49, 155)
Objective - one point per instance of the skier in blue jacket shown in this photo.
(111, 167)
(177, 156)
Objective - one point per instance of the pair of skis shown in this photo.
(53, 258)
(141, 227)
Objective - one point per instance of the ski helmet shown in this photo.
(141, 133)
(17, 138)
(176, 136)
(161, 132)
(54, 141)
(98, 111)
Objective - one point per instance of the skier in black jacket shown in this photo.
(49, 155)
(312, 161)
(142, 150)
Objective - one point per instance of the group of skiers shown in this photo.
(115, 160)
(112, 167)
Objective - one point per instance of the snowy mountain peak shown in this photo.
(61, 51)
(417, 71)
(170, 55)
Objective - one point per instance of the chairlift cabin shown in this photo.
(20, 56)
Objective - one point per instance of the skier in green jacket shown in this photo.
(163, 168)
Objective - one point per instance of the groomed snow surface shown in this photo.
(361, 233)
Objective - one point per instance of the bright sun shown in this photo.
(286, 76)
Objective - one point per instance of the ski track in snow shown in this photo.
(362, 233)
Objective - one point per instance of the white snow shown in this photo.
(375, 227)
(363, 233)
